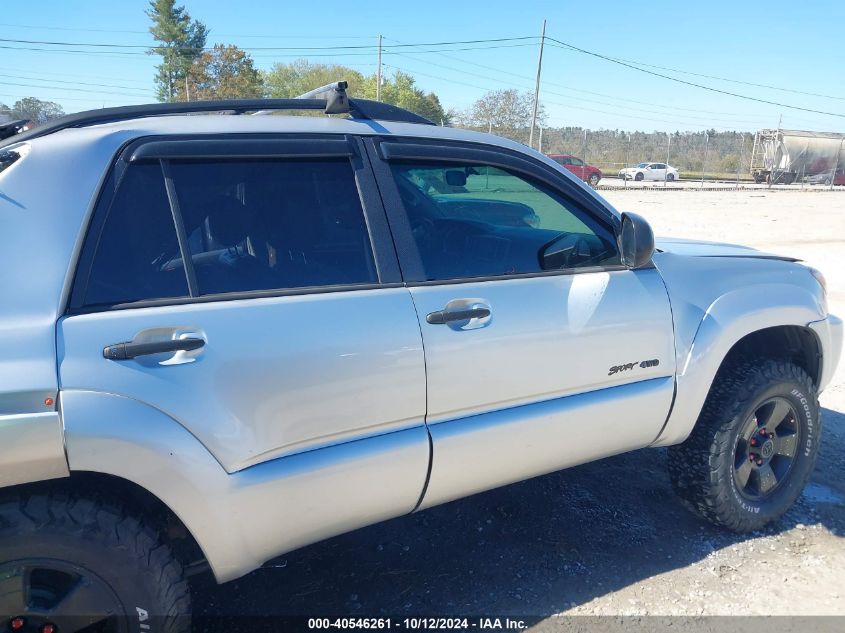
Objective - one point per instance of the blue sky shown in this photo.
(794, 46)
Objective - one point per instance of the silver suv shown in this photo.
(226, 337)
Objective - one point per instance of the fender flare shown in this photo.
(727, 320)
(119, 436)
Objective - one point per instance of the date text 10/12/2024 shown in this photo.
(418, 624)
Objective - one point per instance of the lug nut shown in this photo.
(48, 628)
(753, 441)
(759, 462)
(751, 457)
(16, 623)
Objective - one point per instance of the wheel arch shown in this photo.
(134, 498)
(737, 324)
(131, 447)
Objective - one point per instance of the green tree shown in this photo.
(223, 72)
(401, 90)
(300, 76)
(285, 81)
(181, 40)
(33, 109)
(505, 112)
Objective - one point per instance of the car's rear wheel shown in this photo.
(80, 565)
(670, 177)
(593, 180)
(753, 447)
(639, 176)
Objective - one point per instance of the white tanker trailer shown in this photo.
(787, 156)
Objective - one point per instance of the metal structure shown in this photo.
(787, 156)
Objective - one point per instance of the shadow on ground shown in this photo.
(534, 549)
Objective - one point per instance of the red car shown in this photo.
(585, 172)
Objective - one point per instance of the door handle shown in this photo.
(130, 350)
(446, 316)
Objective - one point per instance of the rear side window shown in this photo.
(268, 224)
(261, 224)
(137, 254)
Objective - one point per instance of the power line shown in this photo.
(564, 96)
(267, 48)
(123, 54)
(565, 46)
(560, 87)
(566, 105)
(99, 92)
(736, 81)
(77, 83)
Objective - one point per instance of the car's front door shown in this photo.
(542, 350)
(255, 279)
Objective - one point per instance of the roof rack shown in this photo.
(331, 99)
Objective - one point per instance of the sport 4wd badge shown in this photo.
(643, 364)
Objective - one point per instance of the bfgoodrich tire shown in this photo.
(74, 563)
(753, 447)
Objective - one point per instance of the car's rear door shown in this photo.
(265, 266)
(542, 351)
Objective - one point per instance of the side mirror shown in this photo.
(636, 241)
(455, 178)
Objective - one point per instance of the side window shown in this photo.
(137, 256)
(273, 224)
(565, 160)
(479, 221)
(578, 162)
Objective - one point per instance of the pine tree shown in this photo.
(181, 42)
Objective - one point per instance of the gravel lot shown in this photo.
(607, 538)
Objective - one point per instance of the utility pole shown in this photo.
(187, 89)
(668, 147)
(378, 72)
(537, 86)
(540, 141)
(704, 161)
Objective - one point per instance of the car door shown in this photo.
(578, 168)
(542, 350)
(657, 171)
(255, 278)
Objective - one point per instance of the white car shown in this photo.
(650, 171)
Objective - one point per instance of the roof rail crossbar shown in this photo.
(331, 99)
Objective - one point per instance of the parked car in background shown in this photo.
(10, 128)
(650, 171)
(585, 172)
(826, 177)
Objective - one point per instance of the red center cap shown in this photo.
(16, 623)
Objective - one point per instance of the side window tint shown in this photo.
(578, 162)
(479, 221)
(137, 255)
(273, 224)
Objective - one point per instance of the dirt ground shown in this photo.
(606, 538)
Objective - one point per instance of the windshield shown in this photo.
(643, 164)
